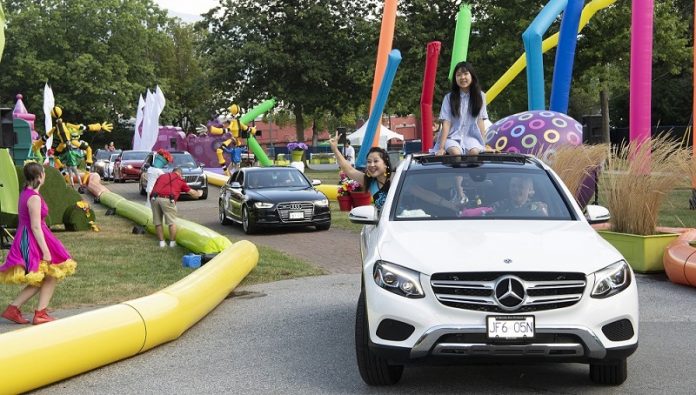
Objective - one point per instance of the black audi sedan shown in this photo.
(266, 197)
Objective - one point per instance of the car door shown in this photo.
(236, 196)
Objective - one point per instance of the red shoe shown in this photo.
(13, 314)
(42, 317)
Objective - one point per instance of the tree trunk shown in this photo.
(315, 135)
(299, 124)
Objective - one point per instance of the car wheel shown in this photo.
(247, 223)
(325, 226)
(613, 372)
(205, 194)
(221, 215)
(142, 189)
(374, 369)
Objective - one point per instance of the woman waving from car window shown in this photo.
(377, 175)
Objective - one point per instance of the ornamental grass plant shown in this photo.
(575, 164)
(637, 180)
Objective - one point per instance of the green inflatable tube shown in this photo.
(460, 47)
(190, 235)
(258, 110)
(258, 152)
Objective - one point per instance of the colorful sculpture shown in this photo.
(69, 138)
(534, 132)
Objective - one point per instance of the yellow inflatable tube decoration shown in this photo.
(331, 191)
(587, 13)
(40, 355)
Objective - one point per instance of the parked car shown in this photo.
(127, 165)
(103, 161)
(268, 197)
(508, 271)
(191, 171)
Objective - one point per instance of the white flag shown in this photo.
(48, 103)
(137, 136)
(149, 134)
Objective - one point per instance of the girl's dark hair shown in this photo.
(32, 173)
(475, 100)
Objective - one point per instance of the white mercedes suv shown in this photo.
(489, 258)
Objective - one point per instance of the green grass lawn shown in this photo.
(115, 265)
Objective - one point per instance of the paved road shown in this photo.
(296, 336)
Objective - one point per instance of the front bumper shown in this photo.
(271, 218)
(569, 334)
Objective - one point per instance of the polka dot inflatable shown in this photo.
(531, 132)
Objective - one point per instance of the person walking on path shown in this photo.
(165, 193)
(36, 258)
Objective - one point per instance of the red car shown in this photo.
(127, 165)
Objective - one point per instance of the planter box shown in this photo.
(643, 253)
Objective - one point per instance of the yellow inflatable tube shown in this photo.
(587, 13)
(40, 355)
(331, 191)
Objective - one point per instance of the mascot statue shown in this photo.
(237, 130)
(70, 149)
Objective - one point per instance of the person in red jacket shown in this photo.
(163, 198)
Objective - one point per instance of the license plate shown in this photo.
(510, 327)
(296, 215)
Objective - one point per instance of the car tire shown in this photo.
(374, 369)
(613, 372)
(205, 194)
(221, 215)
(325, 226)
(247, 223)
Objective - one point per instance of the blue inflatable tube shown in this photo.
(565, 56)
(376, 113)
(532, 45)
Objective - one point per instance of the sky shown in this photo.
(191, 7)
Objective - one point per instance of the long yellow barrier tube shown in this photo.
(587, 13)
(40, 355)
(331, 191)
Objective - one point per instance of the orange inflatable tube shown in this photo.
(386, 38)
(94, 185)
(679, 259)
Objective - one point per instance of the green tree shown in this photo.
(310, 54)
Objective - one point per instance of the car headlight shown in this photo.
(611, 280)
(263, 205)
(398, 279)
(321, 203)
(129, 167)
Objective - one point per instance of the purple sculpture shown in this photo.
(534, 132)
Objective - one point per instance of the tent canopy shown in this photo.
(385, 135)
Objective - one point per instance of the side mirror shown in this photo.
(236, 185)
(201, 164)
(316, 182)
(596, 214)
(366, 215)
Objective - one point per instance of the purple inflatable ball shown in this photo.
(532, 132)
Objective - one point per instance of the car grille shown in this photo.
(476, 290)
(284, 210)
(192, 178)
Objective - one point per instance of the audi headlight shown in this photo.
(611, 280)
(321, 203)
(263, 205)
(398, 279)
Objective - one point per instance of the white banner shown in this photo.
(48, 103)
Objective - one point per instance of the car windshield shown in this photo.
(102, 155)
(183, 160)
(276, 178)
(113, 157)
(134, 155)
(479, 193)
